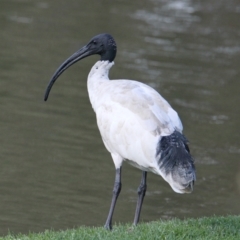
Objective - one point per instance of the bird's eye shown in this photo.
(94, 42)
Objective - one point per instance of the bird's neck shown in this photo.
(100, 71)
(96, 79)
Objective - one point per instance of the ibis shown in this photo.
(136, 123)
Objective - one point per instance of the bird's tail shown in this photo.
(176, 162)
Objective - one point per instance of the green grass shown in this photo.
(204, 228)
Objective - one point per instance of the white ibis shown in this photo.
(136, 123)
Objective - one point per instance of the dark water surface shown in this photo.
(54, 169)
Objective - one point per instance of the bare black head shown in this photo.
(102, 44)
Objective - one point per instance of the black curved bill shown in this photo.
(80, 54)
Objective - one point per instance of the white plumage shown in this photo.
(131, 117)
(136, 123)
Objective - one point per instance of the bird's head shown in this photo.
(102, 44)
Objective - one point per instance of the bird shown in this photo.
(136, 123)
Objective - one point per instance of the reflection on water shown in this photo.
(55, 172)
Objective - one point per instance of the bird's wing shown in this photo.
(151, 109)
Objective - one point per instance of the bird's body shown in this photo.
(132, 118)
(120, 116)
(136, 124)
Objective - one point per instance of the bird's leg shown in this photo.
(116, 191)
(141, 193)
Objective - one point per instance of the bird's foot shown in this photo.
(108, 226)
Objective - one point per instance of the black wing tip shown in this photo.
(173, 150)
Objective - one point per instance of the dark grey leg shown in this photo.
(116, 191)
(141, 193)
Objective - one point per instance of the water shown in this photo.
(55, 171)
